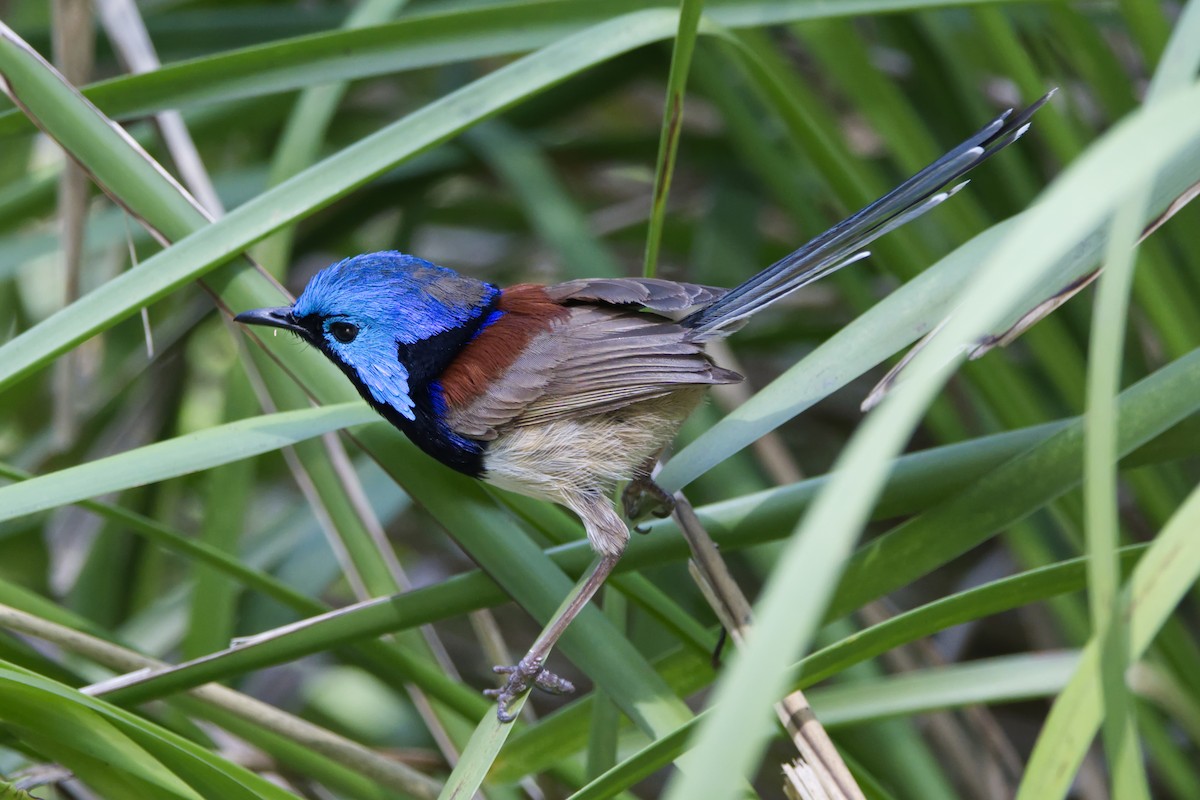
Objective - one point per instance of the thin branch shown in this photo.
(815, 747)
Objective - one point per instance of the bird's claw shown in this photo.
(522, 677)
(642, 496)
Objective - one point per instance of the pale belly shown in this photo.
(578, 462)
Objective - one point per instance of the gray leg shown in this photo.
(529, 673)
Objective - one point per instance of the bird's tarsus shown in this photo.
(522, 677)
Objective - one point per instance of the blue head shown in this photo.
(389, 320)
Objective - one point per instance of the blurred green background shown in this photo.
(517, 141)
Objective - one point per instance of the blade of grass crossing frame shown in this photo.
(481, 751)
(552, 212)
(301, 195)
(605, 724)
(806, 577)
(1168, 569)
(977, 603)
(180, 456)
(214, 597)
(422, 40)
(1108, 613)
(989, 680)
(672, 126)
(305, 131)
(164, 761)
(97, 752)
(1114, 647)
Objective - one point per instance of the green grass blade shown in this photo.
(1108, 614)
(806, 575)
(672, 126)
(1007, 494)
(531, 750)
(421, 40)
(477, 758)
(551, 210)
(174, 765)
(994, 680)
(1168, 569)
(301, 195)
(306, 128)
(213, 612)
(90, 746)
(181, 456)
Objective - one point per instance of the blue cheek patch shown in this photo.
(388, 383)
(372, 355)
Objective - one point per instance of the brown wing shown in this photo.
(591, 360)
(666, 298)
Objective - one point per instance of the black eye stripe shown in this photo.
(344, 332)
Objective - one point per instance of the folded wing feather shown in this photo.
(599, 358)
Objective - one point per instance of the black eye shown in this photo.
(344, 332)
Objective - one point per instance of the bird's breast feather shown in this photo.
(525, 312)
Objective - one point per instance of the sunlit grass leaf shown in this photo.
(786, 127)
(1169, 568)
(807, 572)
(121, 754)
(424, 40)
(172, 458)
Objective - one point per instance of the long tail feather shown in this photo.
(843, 244)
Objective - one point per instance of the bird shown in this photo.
(565, 392)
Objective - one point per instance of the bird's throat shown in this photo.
(425, 361)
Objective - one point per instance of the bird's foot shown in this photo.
(524, 676)
(643, 497)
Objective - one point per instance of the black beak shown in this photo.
(272, 318)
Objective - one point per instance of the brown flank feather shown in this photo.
(527, 312)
